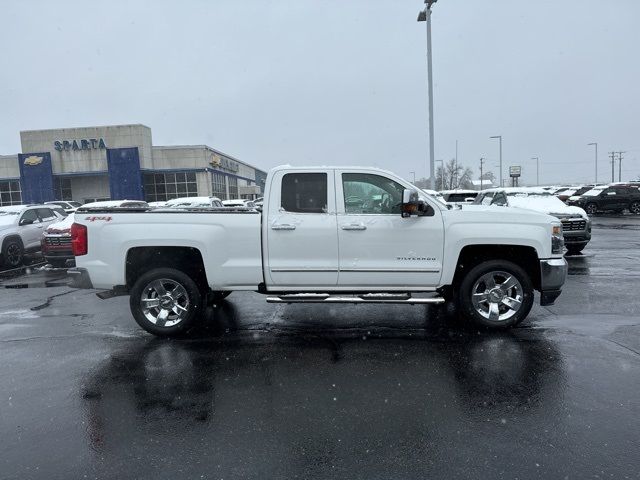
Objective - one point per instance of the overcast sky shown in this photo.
(336, 82)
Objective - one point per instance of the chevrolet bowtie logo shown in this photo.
(33, 160)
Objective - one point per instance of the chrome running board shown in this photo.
(402, 298)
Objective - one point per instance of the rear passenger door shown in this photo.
(301, 249)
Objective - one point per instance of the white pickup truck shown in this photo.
(325, 235)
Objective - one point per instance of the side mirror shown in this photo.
(25, 221)
(412, 205)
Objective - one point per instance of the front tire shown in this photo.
(166, 302)
(12, 253)
(496, 294)
(634, 207)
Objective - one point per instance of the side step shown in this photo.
(402, 298)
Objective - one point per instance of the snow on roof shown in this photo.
(113, 203)
(549, 204)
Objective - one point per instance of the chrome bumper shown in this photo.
(553, 273)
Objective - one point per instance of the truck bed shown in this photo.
(228, 240)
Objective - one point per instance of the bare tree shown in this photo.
(453, 176)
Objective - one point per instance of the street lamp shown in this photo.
(537, 169)
(500, 138)
(595, 144)
(425, 16)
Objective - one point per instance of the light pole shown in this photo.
(500, 138)
(537, 169)
(425, 16)
(481, 163)
(595, 144)
(414, 177)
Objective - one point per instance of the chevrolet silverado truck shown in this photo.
(325, 235)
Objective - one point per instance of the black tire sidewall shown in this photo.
(573, 249)
(195, 300)
(464, 293)
(5, 248)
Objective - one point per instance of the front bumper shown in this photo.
(79, 278)
(553, 273)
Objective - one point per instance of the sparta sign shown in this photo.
(83, 144)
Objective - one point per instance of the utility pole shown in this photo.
(612, 155)
(595, 144)
(481, 163)
(620, 165)
(425, 16)
(537, 169)
(500, 138)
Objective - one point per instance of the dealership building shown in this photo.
(119, 162)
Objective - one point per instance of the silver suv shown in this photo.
(21, 229)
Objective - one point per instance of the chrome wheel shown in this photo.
(14, 254)
(591, 209)
(164, 302)
(634, 207)
(497, 296)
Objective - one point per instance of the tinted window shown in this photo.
(304, 192)
(46, 214)
(367, 193)
(30, 215)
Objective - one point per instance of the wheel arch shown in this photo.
(525, 257)
(12, 236)
(188, 260)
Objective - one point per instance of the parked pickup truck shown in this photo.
(325, 235)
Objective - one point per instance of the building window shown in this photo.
(233, 187)
(160, 187)
(10, 193)
(62, 188)
(219, 185)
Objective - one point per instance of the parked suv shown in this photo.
(21, 228)
(576, 225)
(614, 198)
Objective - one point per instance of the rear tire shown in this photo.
(217, 297)
(12, 253)
(166, 302)
(634, 207)
(496, 294)
(591, 208)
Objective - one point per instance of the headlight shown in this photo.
(557, 240)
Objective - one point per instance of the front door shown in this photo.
(379, 248)
(300, 231)
(31, 232)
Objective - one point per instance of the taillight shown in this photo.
(79, 243)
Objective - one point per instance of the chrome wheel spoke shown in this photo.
(512, 303)
(158, 287)
(179, 309)
(150, 302)
(480, 297)
(508, 284)
(494, 312)
(178, 292)
(162, 317)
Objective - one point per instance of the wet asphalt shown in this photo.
(367, 392)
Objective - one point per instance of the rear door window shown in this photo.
(46, 214)
(304, 192)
